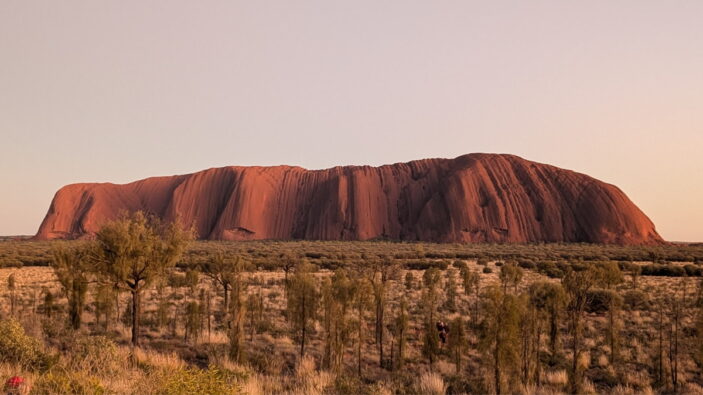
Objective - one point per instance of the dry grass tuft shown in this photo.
(584, 360)
(603, 361)
(692, 389)
(253, 386)
(432, 384)
(169, 361)
(557, 378)
(588, 387)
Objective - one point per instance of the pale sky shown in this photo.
(115, 91)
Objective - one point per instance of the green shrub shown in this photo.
(65, 382)
(19, 348)
(599, 300)
(487, 270)
(424, 265)
(464, 256)
(186, 381)
(461, 265)
(657, 269)
(526, 264)
(549, 269)
(635, 299)
(693, 270)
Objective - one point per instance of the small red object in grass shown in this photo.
(14, 382)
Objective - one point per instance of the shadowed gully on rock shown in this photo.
(472, 198)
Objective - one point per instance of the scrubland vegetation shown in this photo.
(144, 310)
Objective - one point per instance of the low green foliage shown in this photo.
(186, 381)
(19, 348)
(61, 382)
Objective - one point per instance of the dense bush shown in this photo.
(599, 300)
(17, 347)
(461, 265)
(67, 382)
(693, 270)
(424, 265)
(526, 264)
(657, 269)
(635, 299)
(330, 264)
(549, 269)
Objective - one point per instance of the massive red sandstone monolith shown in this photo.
(473, 198)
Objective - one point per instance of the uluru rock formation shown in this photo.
(472, 198)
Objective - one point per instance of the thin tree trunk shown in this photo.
(538, 366)
(380, 334)
(136, 309)
(553, 336)
(302, 340)
(660, 370)
(358, 353)
(225, 288)
(576, 379)
(496, 365)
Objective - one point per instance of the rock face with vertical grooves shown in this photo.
(472, 198)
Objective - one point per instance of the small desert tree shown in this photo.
(510, 276)
(500, 334)
(220, 269)
(409, 281)
(609, 274)
(383, 271)
(192, 321)
(675, 305)
(450, 291)
(237, 311)
(133, 251)
(12, 287)
(361, 302)
(71, 267)
(337, 294)
(635, 272)
(577, 286)
(400, 329)
(614, 325)
(661, 326)
(431, 279)
(104, 303)
(430, 300)
(253, 308)
(303, 301)
(289, 262)
(472, 280)
(458, 343)
(530, 331)
(549, 299)
(48, 305)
